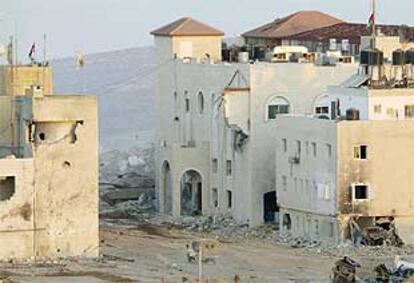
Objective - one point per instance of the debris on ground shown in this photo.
(401, 271)
(381, 233)
(344, 271)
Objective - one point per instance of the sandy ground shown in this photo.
(150, 253)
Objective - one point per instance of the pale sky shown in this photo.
(101, 25)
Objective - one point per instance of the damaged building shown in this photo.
(217, 121)
(48, 168)
(348, 176)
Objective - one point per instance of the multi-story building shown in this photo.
(48, 168)
(217, 122)
(348, 175)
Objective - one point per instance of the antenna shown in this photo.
(374, 19)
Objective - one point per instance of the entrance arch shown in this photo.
(191, 187)
(166, 188)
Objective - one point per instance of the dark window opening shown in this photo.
(229, 199)
(187, 105)
(215, 165)
(228, 168)
(322, 110)
(42, 136)
(7, 188)
(215, 197)
(361, 192)
(287, 222)
(361, 152)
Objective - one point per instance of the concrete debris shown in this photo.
(401, 271)
(344, 271)
(127, 183)
(383, 233)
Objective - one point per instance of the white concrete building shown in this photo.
(349, 177)
(217, 124)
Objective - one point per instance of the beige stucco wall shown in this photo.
(387, 171)
(16, 80)
(17, 214)
(188, 46)
(56, 189)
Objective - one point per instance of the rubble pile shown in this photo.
(127, 183)
(223, 226)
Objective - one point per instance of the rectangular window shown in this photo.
(328, 150)
(307, 148)
(228, 168)
(322, 110)
(284, 183)
(377, 109)
(284, 145)
(214, 197)
(274, 110)
(361, 152)
(314, 149)
(392, 112)
(360, 192)
(187, 105)
(409, 111)
(298, 147)
(229, 199)
(331, 230)
(317, 227)
(215, 165)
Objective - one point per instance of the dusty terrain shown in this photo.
(149, 252)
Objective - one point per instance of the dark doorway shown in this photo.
(270, 207)
(191, 193)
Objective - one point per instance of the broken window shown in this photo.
(314, 149)
(284, 145)
(287, 222)
(229, 199)
(228, 168)
(360, 192)
(215, 165)
(7, 187)
(214, 197)
(284, 183)
(377, 109)
(361, 152)
(409, 111)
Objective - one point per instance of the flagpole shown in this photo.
(374, 25)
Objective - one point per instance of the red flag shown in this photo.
(371, 21)
(32, 52)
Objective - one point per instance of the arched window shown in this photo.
(322, 105)
(276, 106)
(200, 99)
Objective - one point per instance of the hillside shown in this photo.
(124, 83)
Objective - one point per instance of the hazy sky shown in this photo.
(102, 25)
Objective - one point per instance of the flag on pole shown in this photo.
(32, 52)
(371, 22)
(10, 53)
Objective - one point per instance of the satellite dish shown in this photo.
(2, 50)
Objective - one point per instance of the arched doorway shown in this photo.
(191, 193)
(166, 187)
